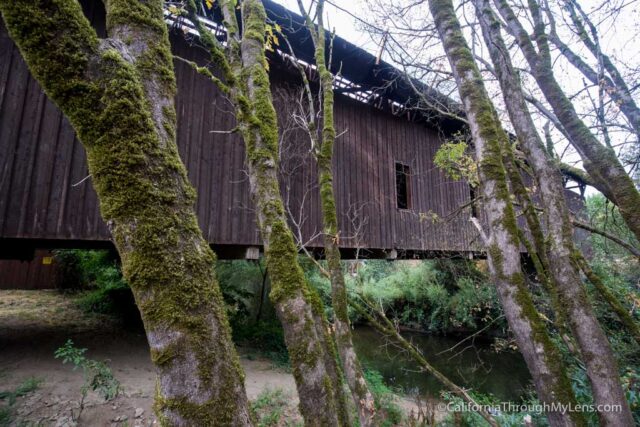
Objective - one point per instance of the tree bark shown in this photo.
(118, 95)
(362, 396)
(594, 347)
(600, 162)
(298, 306)
(503, 251)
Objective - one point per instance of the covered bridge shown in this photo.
(388, 189)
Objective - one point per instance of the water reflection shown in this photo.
(504, 374)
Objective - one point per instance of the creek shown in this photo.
(472, 364)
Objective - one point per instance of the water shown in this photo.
(504, 374)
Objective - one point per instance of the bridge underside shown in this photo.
(24, 250)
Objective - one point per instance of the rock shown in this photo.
(139, 412)
(120, 418)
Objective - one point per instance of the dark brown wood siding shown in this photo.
(45, 192)
(39, 273)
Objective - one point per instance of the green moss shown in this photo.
(58, 59)
(145, 21)
(215, 49)
(170, 121)
(164, 356)
(145, 195)
(140, 14)
(562, 391)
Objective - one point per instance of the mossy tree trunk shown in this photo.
(502, 241)
(362, 396)
(118, 94)
(564, 271)
(599, 161)
(298, 306)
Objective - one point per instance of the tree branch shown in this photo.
(628, 246)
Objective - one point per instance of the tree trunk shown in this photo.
(298, 306)
(503, 244)
(600, 162)
(362, 396)
(594, 347)
(118, 95)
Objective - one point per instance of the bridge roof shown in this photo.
(359, 74)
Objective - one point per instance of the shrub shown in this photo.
(504, 419)
(241, 284)
(97, 375)
(473, 304)
(109, 293)
(437, 296)
(265, 337)
(70, 275)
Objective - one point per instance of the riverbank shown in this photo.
(33, 324)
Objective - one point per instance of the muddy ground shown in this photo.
(33, 324)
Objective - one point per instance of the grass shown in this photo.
(270, 409)
(46, 308)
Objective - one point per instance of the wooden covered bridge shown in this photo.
(388, 189)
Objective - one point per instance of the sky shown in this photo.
(618, 40)
(345, 25)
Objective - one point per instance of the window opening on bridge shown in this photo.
(403, 186)
(474, 207)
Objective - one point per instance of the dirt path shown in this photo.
(128, 356)
(33, 324)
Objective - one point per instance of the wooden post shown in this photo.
(252, 252)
